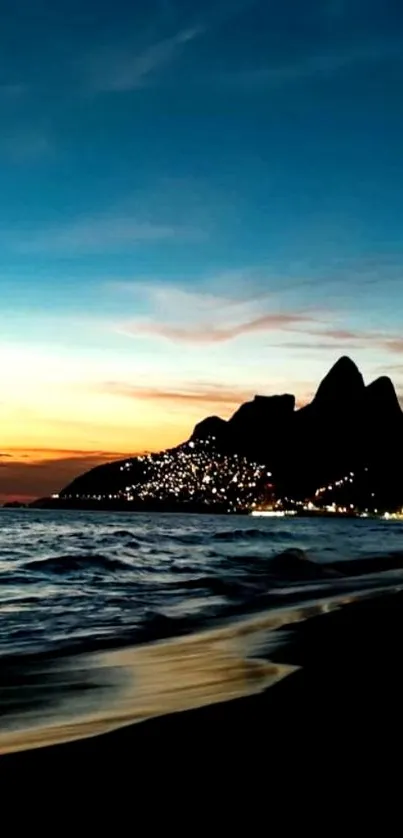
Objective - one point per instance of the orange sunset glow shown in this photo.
(154, 419)
(78, 406)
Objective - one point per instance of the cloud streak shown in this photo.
(216, 313)
(125, 71)
(99, 235)
(199, 394)
(209, 317)
(212, 333)
(394, 345)
(318, 64)
(325, 339)
(364, 339)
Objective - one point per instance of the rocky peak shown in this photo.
(264, 409)
(342, 385)
(381, 396)
(213, 426)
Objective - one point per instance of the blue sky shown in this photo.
(198, 201)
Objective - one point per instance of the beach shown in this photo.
(335, 717)
(198, 661)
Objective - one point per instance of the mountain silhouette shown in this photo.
(342, 386)
(347, 427)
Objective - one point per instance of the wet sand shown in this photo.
(333, 724)
(59, 699)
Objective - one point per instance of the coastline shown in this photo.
(342, 694)
(48, 504)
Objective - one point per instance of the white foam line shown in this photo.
(155, 679)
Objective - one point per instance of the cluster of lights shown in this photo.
(345, 482)
(337, 484)
(326, 499)
(394, 516)
(288, 506)
(194, 473)
(333, 507)
(198, 473)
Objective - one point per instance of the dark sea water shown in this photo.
(107, 620)
(74, 581)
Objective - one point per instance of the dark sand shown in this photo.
(329, 730)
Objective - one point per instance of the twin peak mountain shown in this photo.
(347, 427)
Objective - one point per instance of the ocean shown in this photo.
(79, 580)
(107, 619)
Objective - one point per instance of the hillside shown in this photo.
(268, 445)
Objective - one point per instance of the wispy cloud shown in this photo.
(213, 315)
(394, 345)
(210, 315)
(215, 398)
(345, 340)
(214, 333)
(98, 235)
(340, 335)
(217, 295)
(199, 394)
(316, 64)
(125, 70)
(308, 346)
(230, 287)
(364, 339)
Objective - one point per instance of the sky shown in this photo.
(199, 201)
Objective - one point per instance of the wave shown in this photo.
(370, 564)
(76, 563)
(243, 576)
(121, 535)
(295, 564)
(217, 585)
(240, 658)
(241, 534)
(14, 578)
(133, 544)
(147, 681)
(190, 538)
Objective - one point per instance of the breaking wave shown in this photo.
(87, 563)
(99, 580)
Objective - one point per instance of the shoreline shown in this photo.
(151, 509)
(340, 664)
(323, 742)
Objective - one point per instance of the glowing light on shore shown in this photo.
(196, 472)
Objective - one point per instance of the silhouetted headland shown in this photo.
(267, 449)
